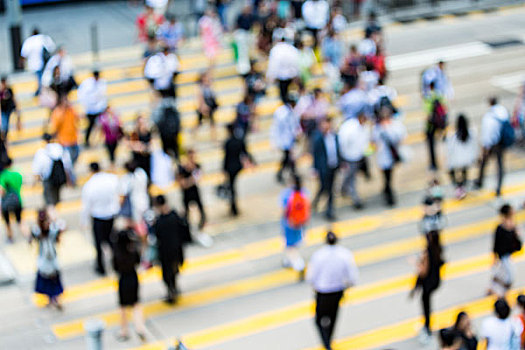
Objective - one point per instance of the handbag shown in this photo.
(516, 242)
(47, 98)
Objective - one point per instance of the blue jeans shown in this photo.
(73, 153)
(39, 80)
(5, 122)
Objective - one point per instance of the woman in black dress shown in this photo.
(125, 260)
(429, 279)
(140, 144)
(188, 175)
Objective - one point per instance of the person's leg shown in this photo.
(464, 177)
(168, 276)
(335, 298)
(284, 162)
(453, 179)
(39, 81)
(186, 202)
(73, 153)
(138, 321)
(389, 196)
(124, 332)
(202, 220)
(501, 171)
(321, 319)
(92, 118)
(481, 177)
(233, 194)
(330, 192)
(283, 89)
(425, 300)
(354, 168)
(98, 235)
(9, 229)
(321, 189)
(111, 147)
(431, 149)
(5, 124)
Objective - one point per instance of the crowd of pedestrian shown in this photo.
(299, 39)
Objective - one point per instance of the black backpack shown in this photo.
(46, 55)
(169, 124)
(58, 177)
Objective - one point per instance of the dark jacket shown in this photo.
(172, 232)
(320, 154)
(234, 151)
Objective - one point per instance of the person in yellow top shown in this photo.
(64, 124)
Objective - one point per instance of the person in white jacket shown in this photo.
(160, 70)
(134, 194)
(491, 126)
(283, 65)
(462, 152)
(92, 94)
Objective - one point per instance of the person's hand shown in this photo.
(18, 122)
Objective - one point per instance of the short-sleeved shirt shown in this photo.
(11, 181)
(64, 122)
(498, 332)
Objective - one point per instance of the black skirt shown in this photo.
(128, 289)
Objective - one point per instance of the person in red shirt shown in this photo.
(147, 23)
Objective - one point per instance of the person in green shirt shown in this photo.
(10, 187)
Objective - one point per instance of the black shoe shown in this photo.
(330, 217)
(169, 300)
(100, 272)
(359, 206)
(478, 185)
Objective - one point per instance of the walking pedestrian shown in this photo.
(463, 326)
(245, 116)
(326, 154)
(171, 33)
(92, 94)
(296, 214)
(354, 100)
(521, 317)
(36, 51)
(140, 144)
(48, 281)
(100, 203)
(506, 242)
(462, 152)
(331, 271)
(66, 78)
(518, 114)
(210, 31)
(167, 120)
(148, 23)
(283, 64)
(236, 157)
(354, 140)
(135, 197)
(449, 339)
(188, 176)
(7, 107)
(436, 74)
(53, 167)
(111, 126)
(316, 14)
(64, 123)
(126, 257)
(428, 279)
(206, 102)
(244, 24)
(172, 232)
(284, 131)
(496, 135)
(387, 135)
(160, 70)
(10, 189)
(436, 122)
(432, 220)
(500, 330)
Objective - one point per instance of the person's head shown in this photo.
(441, 65)
(462, 322)
(506, 211)
(372, 16)
(502, 309)
(165, 50)
(35, 31)
(362, 118)
(350, 83)
(3, 81)
(291, 99)
(56, 71)
(130, 166)
(247, 9)
(331, 238)
(47, 137)
(493, 100)
(325, 125)
(62, 100)
(353, 49)
(124, 240)
(432, 85)
(385, 114)
(204, 79)
(148, 9)
(141, 124)
(161, 204)
(96, 74)
(230, 128)
(450, 339)
(61, 51)
(318, 93)
(43, 221)
(521, 302)
(171, 18)
(190, 153)
(462, 128)
(8, 162)
(297, 183)
(94, 167)
(248, 99)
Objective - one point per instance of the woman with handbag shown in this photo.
(48, 280)
(506, 242)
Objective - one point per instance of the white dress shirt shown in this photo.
(160, 68)
(283, 62)
(33, 48)
(100, 196)
(316, 13)
(395, 132)
(44, 157)
(353, 103)
(285, 128)
(442, 85)
(332, 269)
(92, 94)
(369, 80)
(353, 139)
(491, 125)
(367, 47)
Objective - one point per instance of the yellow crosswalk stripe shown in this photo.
(365, 256)
(220, 334)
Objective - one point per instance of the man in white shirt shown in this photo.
(354, 139)
(161, 70)
(283, 65)
(501, 330)
(101, 203)
(316, 14)
(442, 85)
(92, 94)
(491, 127)
(354, 101)
(35, 49)
(45, 171)
(284, 131)
(331, 270)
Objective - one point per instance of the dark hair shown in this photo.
(448, 337)
(459, 317)
(160, 200)
(94, 166)
(231, 128)
(502, 309)
(432, 85)
(493, 100)
(297, 183)
(331, 238)
(96, 73)
(505, 209)
(130, 165)
(36, 31)
(3, 78)
(47, 137)
(42, 219)
(462, 128)
(8, 162)
(521, 300)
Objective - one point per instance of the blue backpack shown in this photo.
(507, 136)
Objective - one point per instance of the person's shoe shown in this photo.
(301, 275)
(359, 206)
(141, 336)
(169, 300)
(100, 272)
(330, 217)
(478, 185)
(423, 337)
(122, 337)
(285, 263)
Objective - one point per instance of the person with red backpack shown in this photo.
(296, 214)
(436, 123)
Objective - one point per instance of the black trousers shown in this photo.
(283, 89)
(232, 176)
(101, 230)
(170, 270)
(111, 147)
(496, 151)
(193, 196)
(326, 187)
(459, 176)
(327, 305)
(431, 142)
(388, 192)
(286, 162)
(425, 303)
(92, 119)
(170, 145)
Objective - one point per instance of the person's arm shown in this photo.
(352, 273)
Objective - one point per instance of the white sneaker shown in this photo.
(204, 240)
(423, 337)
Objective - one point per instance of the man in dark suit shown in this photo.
(326, 163)
(235, 156)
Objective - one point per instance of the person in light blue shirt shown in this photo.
(354, 102)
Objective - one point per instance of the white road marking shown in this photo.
(510, 82)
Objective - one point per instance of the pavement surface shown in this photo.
(235, 295)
